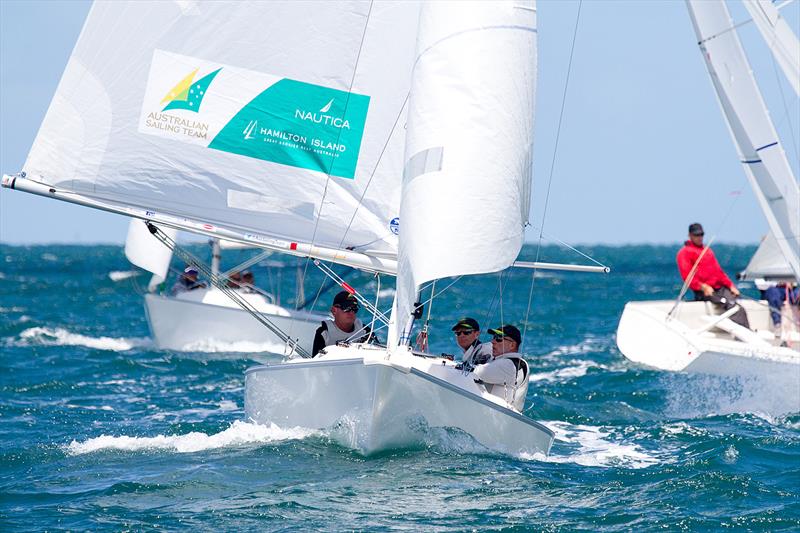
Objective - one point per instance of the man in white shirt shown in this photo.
(506, 375)
(476, 353)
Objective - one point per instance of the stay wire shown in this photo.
(330, 170)
(553, 163)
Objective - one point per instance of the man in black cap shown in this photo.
(344, 326)
(506, 375)
(708, 280)
(467, 332)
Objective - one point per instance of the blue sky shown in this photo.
(643, 149)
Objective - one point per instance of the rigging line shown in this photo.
(785, 107)
(344, 113)
(572, 248)
(553, 161)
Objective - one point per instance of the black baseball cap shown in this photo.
(345, 299)
(467, 323)
(696, 229)
(507, 331)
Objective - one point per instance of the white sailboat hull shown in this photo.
(207, 318)
(371, 404)
(647, 336)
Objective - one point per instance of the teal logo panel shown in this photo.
(301, 125)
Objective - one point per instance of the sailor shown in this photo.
(248, 281)
(344, 326)
(775, 293)
(187, 281)
(709, 281)
(506, 374)
(476, 353)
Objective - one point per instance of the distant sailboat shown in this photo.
(690, 336)
(206, 317)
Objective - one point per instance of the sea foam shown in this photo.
(43, 336)
(238, 434)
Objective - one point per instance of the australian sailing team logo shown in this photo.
(188, 94)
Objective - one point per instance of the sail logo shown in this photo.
(248, 131)
(322, 117)
(188, 94)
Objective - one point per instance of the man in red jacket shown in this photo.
(708, 282)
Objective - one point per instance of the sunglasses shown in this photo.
(464, 332)
(698, 234)
(347, 308)
(501, 338)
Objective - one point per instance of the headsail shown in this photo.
(217, 124)
(767, 263)
(147, 252)
(779, 37)
(748, 120)
(467, 175)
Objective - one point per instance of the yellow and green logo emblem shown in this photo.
(188, 94)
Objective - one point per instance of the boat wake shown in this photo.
(701, 395)
(42, 336)
(593, 446)
(238, 434)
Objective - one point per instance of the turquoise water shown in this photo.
(101, 431)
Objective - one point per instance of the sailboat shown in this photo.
(206, 317)
(372, 135)
(691, 336)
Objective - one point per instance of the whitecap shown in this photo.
(216, 346)
(592, 446)
(119, 275)
(61, 337)
(238, 434)
(566, 373)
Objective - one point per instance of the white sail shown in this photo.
(759, 147)
(779, 37)
(768, 262)
(245, 125)
(145, 251)
(467, 175)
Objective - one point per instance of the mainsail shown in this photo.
(748, 120)
(468, 153)
(286, 121)
(779, 37)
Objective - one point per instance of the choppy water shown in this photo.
(101, 431)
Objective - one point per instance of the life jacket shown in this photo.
(333, 335)
(476, 354)
(514, 393)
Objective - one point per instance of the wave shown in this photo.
(592, 446)
(42, 336)
(238, 434)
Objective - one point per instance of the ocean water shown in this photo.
(101, 431)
